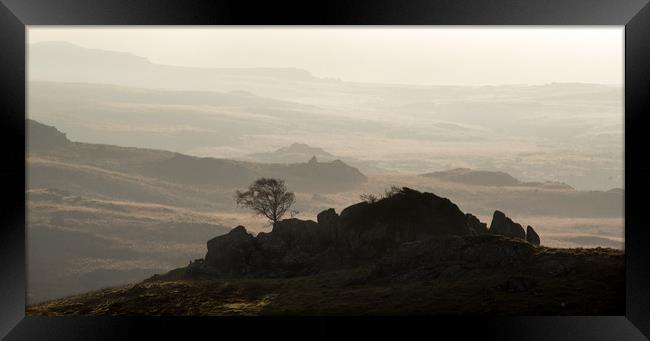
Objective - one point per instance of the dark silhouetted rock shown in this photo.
(369, 229)
(328, 217)
(407, 215)
(229, 253)
(504, 226)
(329, 225)
(271, 245)
(532, 236)
(435, 257)
(297, 232)
(476, 226)
(403, 228)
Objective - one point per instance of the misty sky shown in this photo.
(405, 55)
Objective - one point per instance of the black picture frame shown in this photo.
(15, 15)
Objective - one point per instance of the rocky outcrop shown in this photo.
(532, 236)
(362, 234)
(504, 226)
(230, 253)
(480, 275)
(438, 258)
(406, 216)
(294, 247)
(476, 227)
(328, 217)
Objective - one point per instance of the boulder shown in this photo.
(475, 226)
(266, 259)
(407, 215)
(329, 225)
(328, 217)
(271, 245)
(532, 236)
(502, 225)
(296, 232)
(229, 253)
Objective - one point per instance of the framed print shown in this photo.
(182, 168)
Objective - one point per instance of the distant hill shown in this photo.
(300, 152)
(126, 208)
(185, 121)
(58, 162)
(475, 177)
(296, 152)
(66, 62)
(109, 97)
(41, 136)
(489, 178)
(305, 176)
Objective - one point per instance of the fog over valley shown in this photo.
(571, 133)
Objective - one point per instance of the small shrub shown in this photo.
(392, 191)
(368, 197)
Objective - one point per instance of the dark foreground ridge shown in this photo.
(411, 252)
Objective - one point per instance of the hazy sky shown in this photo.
(411, 55)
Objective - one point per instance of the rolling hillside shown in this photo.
(564, 132)
(133, 212)
(103, 215)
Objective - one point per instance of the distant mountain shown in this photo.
(300, 152)
(475, 177)
(57, 162)
(489, 178)
(296, 152)
(182, 121)
(205, 111)
(66, 62)
(306, 176)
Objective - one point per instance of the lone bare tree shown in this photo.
(267, 197)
